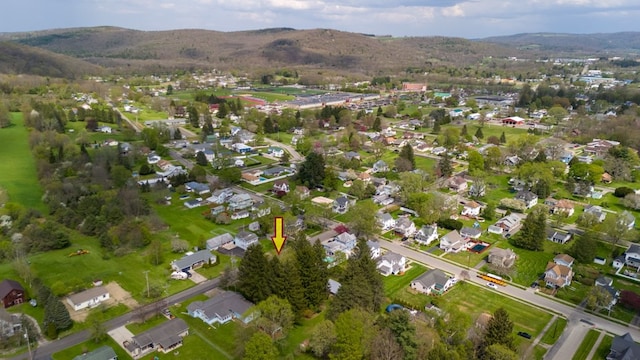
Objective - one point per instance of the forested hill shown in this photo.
(247, 50)
(21, 59)
(619, 43)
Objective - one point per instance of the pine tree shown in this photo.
(223, 110)
(313, 271)
(254, 275)
(201, 159)
(312, 172)
(499, 330)
(57, 314)
(436, 127)
(532, 234)
(377, 124)
(479, 134)
(407, 153)
(267, 125)
(445, 166)
(463, 133)
(194, 116)
(503, 138)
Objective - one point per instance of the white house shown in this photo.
(221, 309)
(427, 234)
(380, 166)
(374, 248)
(281, 186)
(434, 281)
(89, 298)
(391, 263)
(386, 221)
(244, 239)
(453, 242)
(529, 198)
(632, 256)
(405, 227)
(470, 232)
(471, 209)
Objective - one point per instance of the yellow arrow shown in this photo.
(278, 237)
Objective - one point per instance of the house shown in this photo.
(333, 286)
(217, 241)
(405, 227)
(220, 196)
(341, 205)
(222, 308)
(432, 282)
(11, 293)
(386, 221)
(471, 209)
(599, 148)
(557, 276)
(457, 183)
(275, 151)
(374, 248)
(564, 260)
(217, 210)
(240, 201)
(627, 218)
(560, 237)
(365, 177)
(165, 338)
(470, 232)
(512, 160)
(380, 166)
(502, 257)
(382, 199)
(453, 242)
(89, 298)
(562, 206)
(10, 324)
(606, 283)
(529, 198)
(281, 186)
(193, 203)
(351, 155)
(101, 353)
(193, 261)
(618, 262)
(347, 241)
(244, 239)
(606, 178)
(391, 263)
(274, 171)
(596, 211)
(624, 348)
(631, 256)
(477, 190)
(505, 225)
(427, 234)
(303, 191)
(242, 214)
(197, 188)
(513, 120)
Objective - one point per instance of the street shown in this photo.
(569, 341)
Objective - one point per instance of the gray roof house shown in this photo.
(341, 205)
(380, 166)
(434, 281)
(240, 201)
(560, 237)
(427, 234)
(391, 263)
(215, 242)
(244, 239)
(164, 338)
(529, 198)
(101, 353)
(597, 212)
(197, 188)
(453, 242)
(10, 324)
(333, 286)
(193, 261)
(502, 257)
(221, 308)
(89, 298)
(470, 232)
(624, 348)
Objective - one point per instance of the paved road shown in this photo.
(574, 315)
(44, 352)
(295, 156)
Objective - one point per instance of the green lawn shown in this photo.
(269, 96)
(474, 300)
(531, 264)
(539, 352)
(553, 333)
(586, 345)
(18, 168)
(467, 258)
(604, 348)
(393, 283)
(86, 346)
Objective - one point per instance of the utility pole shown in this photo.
(26, 335)
(146, 275)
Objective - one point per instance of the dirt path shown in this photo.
(120, 295)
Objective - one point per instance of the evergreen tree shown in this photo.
(377, 124)
(489, 212)
(503, 138)
(499, 331)
(267, 125)
(294, 289)
(194, 116)
(584, 247)
(313, 271)
(361, 284)
(436, 127)
(201, 159)
(404, 332)
(223, 110)
(532, 234)
(463, 133)
(479, 134)
(57, 314)
(312, 171)
(254, 280)
(379, 112)
(445, 166)
(407, 153)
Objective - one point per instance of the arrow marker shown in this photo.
(278, 237)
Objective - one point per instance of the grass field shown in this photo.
(553, 333)
(586, 345)
(539, 352)
(393, 284)
(604, 348)
(18, 168)
(87, 346)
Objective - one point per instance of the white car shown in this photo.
(492, 285)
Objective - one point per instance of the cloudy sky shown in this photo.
(469, 19)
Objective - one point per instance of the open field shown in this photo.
(18, 168)
(394, 284)
(604, 348)
(87, 346)
(553, 333)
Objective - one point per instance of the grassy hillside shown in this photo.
(620, 43)
(21, 59)
(17, 168)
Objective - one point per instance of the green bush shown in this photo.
(450, 224)
(622, 191)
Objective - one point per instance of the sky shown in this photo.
(469, 19)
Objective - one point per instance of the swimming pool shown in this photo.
(479, 247)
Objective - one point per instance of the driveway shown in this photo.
(120, 335)
(197, 278)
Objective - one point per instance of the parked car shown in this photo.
(492, 285)
(524, 334)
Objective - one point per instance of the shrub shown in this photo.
(450, 224)
(622, 191)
